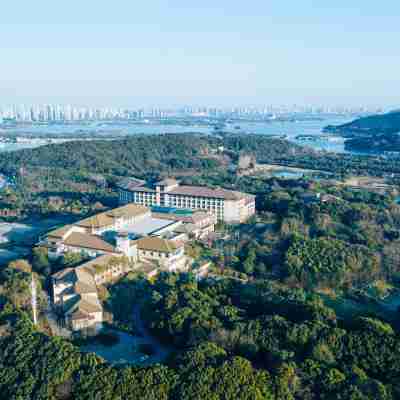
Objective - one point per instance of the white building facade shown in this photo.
(228, 206)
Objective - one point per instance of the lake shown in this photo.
(288, 129)
(288, 174)
(124, 352)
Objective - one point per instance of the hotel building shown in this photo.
(227, 205)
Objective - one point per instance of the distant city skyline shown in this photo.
(172, 53)
(68, 112)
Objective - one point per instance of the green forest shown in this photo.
(296, 304)
(233, 340)
(377, 133)
(78, 177)
(149, 155)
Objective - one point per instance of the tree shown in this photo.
(71, 259)
(20, 265)
(103, 293)
(40, 260)
(249, 262)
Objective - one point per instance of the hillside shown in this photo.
(144, 154)
(116, 157)
(376, 133)
(380, 142)
(374, 124)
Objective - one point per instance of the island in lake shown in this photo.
(375, 133)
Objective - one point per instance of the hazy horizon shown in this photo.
(169, 53)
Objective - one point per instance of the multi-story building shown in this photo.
(170, 255)
(227, 205)
(75, 297)
(197, 225)
(107, 268)
(75, 240)
(115, 242)
(114, 220)
(111, 241)
(90, 236)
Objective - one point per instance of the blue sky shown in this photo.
(221, 52)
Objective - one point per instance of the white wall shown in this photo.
(231, 211)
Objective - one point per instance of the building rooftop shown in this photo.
(91, 265)
(203, 191)
(250, 198)
(82, 304)
(80, 278)
(79, 315)
(192, 218)
(198, 191)
(186, 228)
(127, 211)
(167, 182)
(60, 232)
(86, 241)
(66, 274)
(130, 183)
(147, 267)
(106, 218)
(143, 189)
(97, 221)
(148, 226)
(81, 287)
(153, 243)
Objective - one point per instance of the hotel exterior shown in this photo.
(113, 243)
(130, 231)
(75, 296)
(227, 205)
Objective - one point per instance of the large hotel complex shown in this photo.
(148, 238)
(227, 205)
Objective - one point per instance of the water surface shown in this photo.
(288, 129)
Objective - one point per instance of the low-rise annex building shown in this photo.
(103, 234)
(75, 289)
(197, 225)
(170, 255)
(76, 241)
(227, 205)
(114, 220)
(107, 268)
(129, 238)
(75, 297)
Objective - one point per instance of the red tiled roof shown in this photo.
(143, 189)
(84, 240)
(60, 232)
(153, 243)
(202, 191)
(167, 182)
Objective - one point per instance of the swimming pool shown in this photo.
(171, 210)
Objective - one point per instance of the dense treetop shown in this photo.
(373, 133)
(389, 123)
(142, 154)
(254, 341)
(270, 332)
